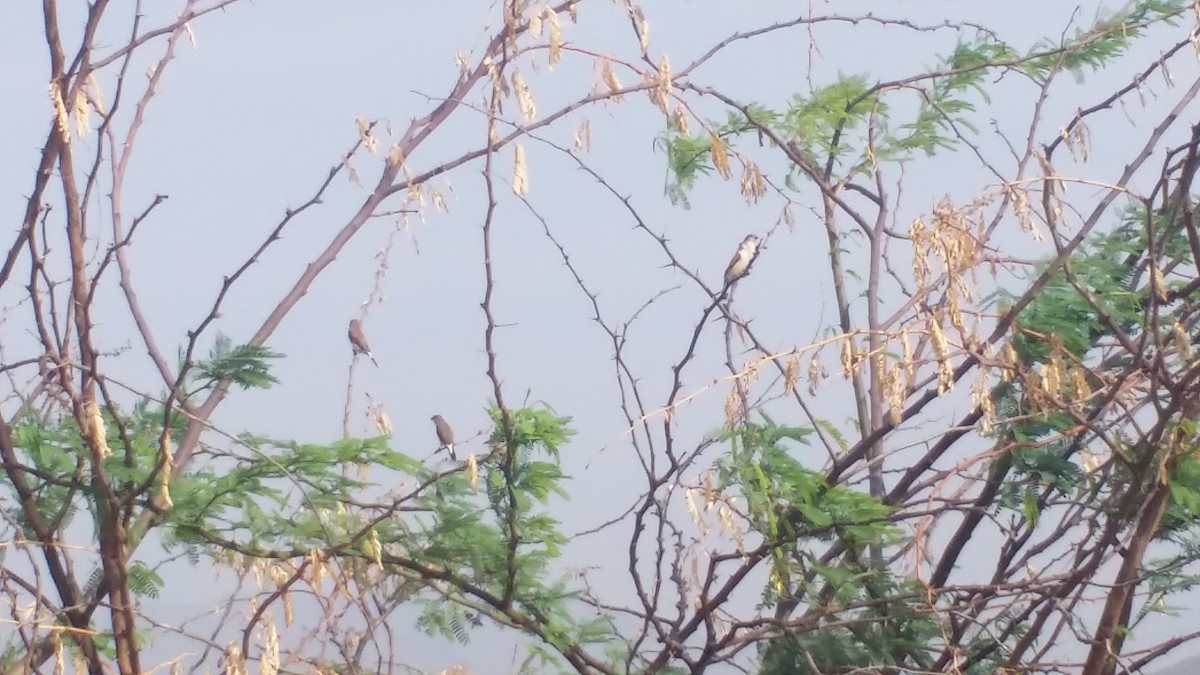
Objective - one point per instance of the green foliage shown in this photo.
(244, 365)
(144, 580)
(827, 125)
(792, 508)
(857, 640)
(1049, 466)
(1078, 306)
(249, 497)
(52, 451)
(507, 542)
(1167, 576)
(687, 159)
(60, 474)
(1096, 293)
(1099, 44)
(816, 123)
(1101, 292)
(1078, 301)
(448, 620)
(145, 422)
(285, 497)
(947, 101)
(1183, 510)
(791, 505)
(529, 429)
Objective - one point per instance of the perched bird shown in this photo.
(445, 435)
(358, 341)
(742, 260)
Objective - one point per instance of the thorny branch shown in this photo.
(686, 580)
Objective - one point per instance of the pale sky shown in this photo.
(250, 120)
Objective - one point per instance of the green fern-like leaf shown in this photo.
(244, 365)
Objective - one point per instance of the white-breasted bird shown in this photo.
(358, 341)
(445, 435)
(739, 266)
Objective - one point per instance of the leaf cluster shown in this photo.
(792, 507)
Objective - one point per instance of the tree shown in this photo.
(816, 524)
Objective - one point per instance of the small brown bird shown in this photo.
(358, 341)
(445, 435)
(739, 266)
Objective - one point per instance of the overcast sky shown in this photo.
(250, 120)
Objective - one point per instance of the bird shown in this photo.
(739, 266)
(358, 341)
(445, 435)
